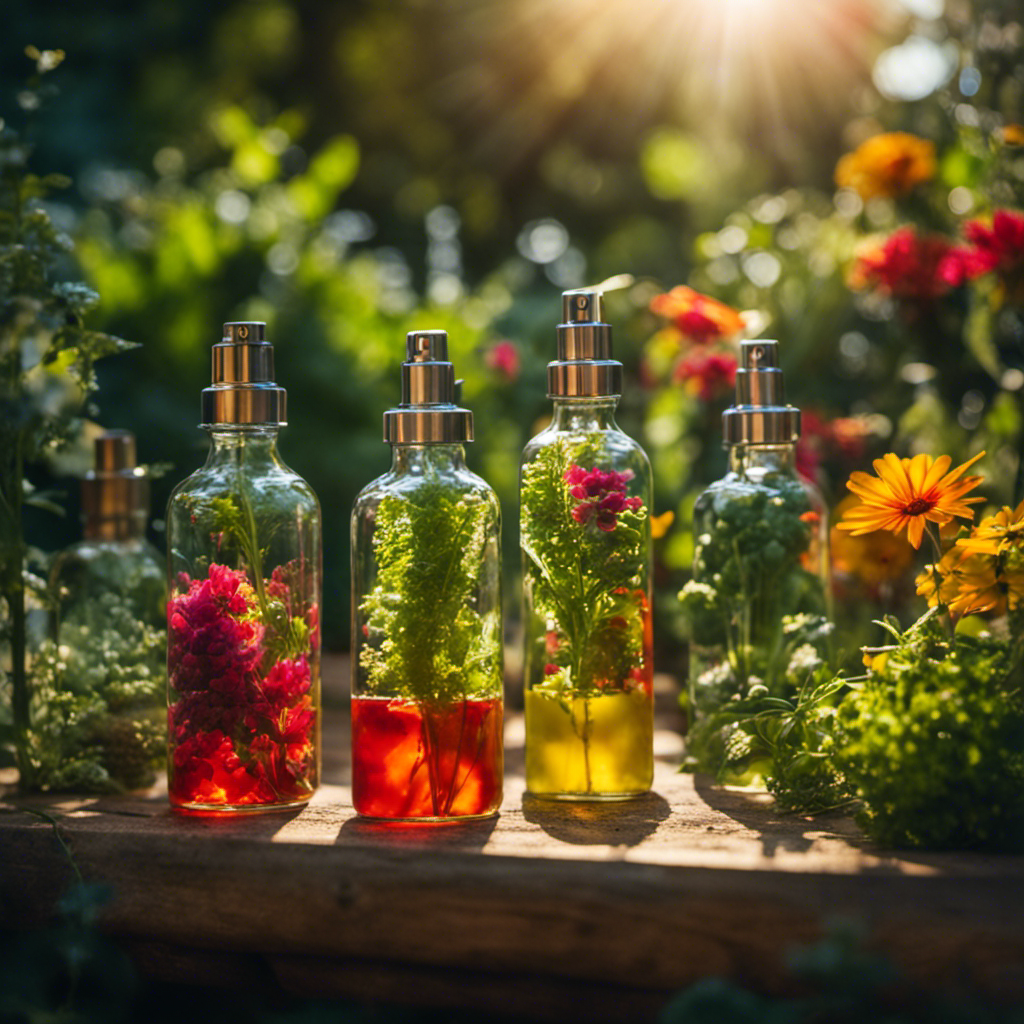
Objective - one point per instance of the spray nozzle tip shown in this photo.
(426, 347)
(759, 354)
(581, 306)
(245, 332)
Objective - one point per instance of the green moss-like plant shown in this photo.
(933, 744)
(425, 637)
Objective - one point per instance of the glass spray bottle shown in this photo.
(758, 604)
(585, 490)
(426, 612)
(109, 619)
(243, 660)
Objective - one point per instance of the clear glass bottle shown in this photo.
(758, 604)
(426, 613)
(585, 491)
(109, 618)
(244, 558)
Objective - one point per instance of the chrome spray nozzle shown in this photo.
(429, 412)
(428, 378)
(243, 392)
(584, 367)
(760, 414)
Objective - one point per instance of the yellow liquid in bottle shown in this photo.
(597, 747)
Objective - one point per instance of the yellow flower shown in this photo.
(971, 583)
(997, 534)
(660, 524)
(907, 493)
(983, 588)
(874, 662)
(936, 583)
(941, 583)
(887, 165)
(874, 558)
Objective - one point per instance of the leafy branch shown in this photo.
(47, 359)
(425, 639)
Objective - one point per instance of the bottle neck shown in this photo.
(762, 458)
(578, 415)
(422, 458)
(251, 447)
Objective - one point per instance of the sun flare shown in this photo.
(765, 68)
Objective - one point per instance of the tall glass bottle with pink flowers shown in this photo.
(426, 612)
(244, 557)
(585, 491)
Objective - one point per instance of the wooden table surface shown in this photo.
(548, 908)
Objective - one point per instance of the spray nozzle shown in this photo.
(429, 412)
(584, 367)
(243, 392)
(760, 414)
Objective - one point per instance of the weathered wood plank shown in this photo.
(591, 902)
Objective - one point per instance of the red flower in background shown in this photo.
(602, 496)
(844, 438)
(709, 375)
(850, 435)
(503, 358)
(701, 318)
(908, 266)
(994, 248)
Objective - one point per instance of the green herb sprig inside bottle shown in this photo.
(426, 612)
(108, 623)
(758, 604)
(243, 652)
(585, 492)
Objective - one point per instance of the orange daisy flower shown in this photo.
(996, 534)
(935, 583)
(908, 493)
(985, 587)
(890, 164)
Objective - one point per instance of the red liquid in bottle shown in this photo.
(414, 760)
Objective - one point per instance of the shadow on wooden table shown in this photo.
(756, 811)
(625, 823)
(447, 835)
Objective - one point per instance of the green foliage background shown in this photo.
(348, 171)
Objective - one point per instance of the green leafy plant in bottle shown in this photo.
(757, 606)
(47, 374)
(585, 536)
(108, 622)
(427, 674)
